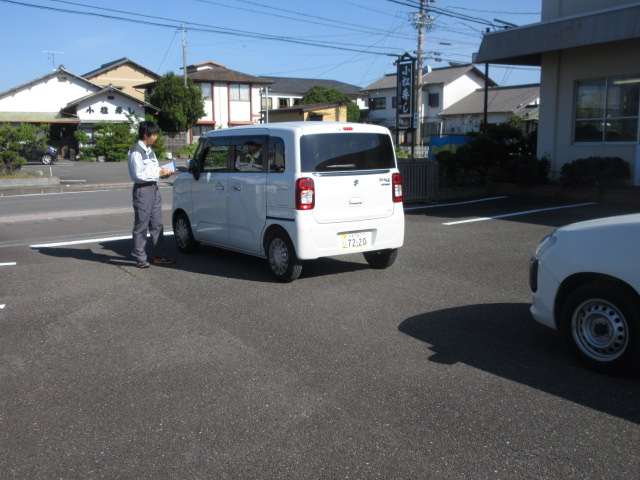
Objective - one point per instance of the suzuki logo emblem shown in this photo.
(356, 183)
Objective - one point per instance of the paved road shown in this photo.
(209, 369)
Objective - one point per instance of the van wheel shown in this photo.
(283, 261)
(183, 234)
(381, 258)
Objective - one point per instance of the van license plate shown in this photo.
(350, 241)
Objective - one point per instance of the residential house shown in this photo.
(68, 102)
(441, 88)
(230, 98)
(467, 115)
(287, 91)
(123, 74)
(321, 112)
(590, 77)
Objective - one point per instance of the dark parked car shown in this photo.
(46, 157)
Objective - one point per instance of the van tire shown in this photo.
(282, 259)
(183, 234)
(381, 258)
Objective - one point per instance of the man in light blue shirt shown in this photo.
(147, 203)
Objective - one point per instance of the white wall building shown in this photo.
(68, 102)
(441, 88)
(590, 77)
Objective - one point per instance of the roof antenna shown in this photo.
(52, 55)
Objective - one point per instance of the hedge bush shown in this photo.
(595, 172)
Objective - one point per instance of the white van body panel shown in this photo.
(239, 210)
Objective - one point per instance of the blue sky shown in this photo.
(352, 41)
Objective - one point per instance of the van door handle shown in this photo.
(237, 188)
(219, 187)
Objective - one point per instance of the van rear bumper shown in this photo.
(315, 240)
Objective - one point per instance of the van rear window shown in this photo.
(335, 152)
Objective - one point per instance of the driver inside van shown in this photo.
(249, 158)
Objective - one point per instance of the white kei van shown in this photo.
(290, 192)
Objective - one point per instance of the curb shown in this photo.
(29, 182)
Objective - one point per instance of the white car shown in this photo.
(585, 279)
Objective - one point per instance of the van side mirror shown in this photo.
(193, 168)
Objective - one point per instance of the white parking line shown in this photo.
(6, 264)
(456, 203)
(87, 240)
(482, 219)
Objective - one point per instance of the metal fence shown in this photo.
(419, 180)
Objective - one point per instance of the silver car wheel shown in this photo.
(600, 330)
(278, 256)
(182, 232)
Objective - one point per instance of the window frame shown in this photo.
(603, 120)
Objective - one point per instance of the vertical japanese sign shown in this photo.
(406, 65)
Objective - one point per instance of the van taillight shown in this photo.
(397, 187)
(305, 194)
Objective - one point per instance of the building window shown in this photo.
(264, 103)
(206, 91)
(201, 129)
(394, 102)
(239, 92)
(434, 100)
(378, 103)
(283, 102)
(607, 110)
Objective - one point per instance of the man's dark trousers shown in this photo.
(147, 205)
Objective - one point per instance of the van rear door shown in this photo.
(352, 174)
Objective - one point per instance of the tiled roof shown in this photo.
(301, 86)
(117, 63)
(219, 73)
(437, 76)
(500, 100)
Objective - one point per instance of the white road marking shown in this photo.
(456, 203)
(88, 240)
(6, 264)
(482, 219)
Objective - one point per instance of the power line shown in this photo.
(196, 27)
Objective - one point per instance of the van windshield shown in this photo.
(334, 152)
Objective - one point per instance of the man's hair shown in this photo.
(147, 128)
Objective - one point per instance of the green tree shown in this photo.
(321, 94)
(113, 141)
(180, 107)
(14, 140)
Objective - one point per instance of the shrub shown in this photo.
(527, 170)
(595, 172)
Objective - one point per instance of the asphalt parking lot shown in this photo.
(432, 368)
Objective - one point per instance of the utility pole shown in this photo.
(184, 55)
(417, 131)
(424, 19)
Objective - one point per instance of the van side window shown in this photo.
(276, 155)
(215, 159)
(249, 153)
